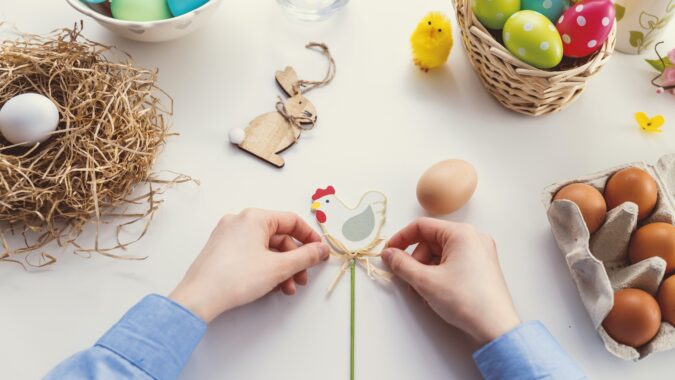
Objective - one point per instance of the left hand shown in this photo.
(247, 256)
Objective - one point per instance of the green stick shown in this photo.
(351, 343)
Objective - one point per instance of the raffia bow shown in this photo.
(361, 256)
(304, 123)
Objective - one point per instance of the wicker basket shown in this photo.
(517, 85)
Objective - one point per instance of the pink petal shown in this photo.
(668, 77)
(671, 56)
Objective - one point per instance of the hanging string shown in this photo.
(305, 86)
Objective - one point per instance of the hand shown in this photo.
(247, 256)
(456, 270)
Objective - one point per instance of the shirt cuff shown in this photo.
(157, 335)
(528, 351)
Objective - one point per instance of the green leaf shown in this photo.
(619, 10)
(658, 64)
(636, 38)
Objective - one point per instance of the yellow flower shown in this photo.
(651, 125)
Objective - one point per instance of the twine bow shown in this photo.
(361, 256)
(303, 122)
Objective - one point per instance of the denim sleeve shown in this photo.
(152, 341)
(526, 352)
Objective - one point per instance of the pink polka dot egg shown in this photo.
(585, 26)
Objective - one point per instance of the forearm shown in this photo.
(526, 352)
(152, 341)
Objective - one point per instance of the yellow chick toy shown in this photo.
(431, 41)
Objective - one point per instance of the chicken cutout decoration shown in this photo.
(354, 234)
(271, 133)
(356, 227)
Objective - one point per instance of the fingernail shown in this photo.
(386, 254)
(324, 251)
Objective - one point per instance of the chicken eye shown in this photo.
(440, 30)
(327, 201)
(429, 22)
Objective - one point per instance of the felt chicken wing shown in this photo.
(355, 227)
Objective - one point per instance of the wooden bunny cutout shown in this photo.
(271, 133)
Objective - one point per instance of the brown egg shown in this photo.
(634, 319)
(654, 239)
(666, 298)
(446, 186)
(590, 202)
(632, 185)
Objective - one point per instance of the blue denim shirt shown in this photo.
(157, 336)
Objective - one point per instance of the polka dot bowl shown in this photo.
(517, 85)
(151, 31)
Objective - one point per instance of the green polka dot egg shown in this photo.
(532, 38)
(494, 13)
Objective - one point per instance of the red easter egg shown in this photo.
(585, 26)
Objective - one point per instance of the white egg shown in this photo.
(28, 119)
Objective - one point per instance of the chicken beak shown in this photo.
(316, 205)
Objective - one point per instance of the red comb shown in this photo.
(323, 192)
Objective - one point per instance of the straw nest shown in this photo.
(87, 173)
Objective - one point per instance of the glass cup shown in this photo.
(312, 10)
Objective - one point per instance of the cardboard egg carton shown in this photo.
(599, 263)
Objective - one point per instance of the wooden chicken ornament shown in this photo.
(273, 132)
(356, 227)
(352, 232)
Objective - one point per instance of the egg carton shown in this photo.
(599, 263)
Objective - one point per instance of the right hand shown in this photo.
(456, 270)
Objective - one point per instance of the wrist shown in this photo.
(194, 302)
(493, 329)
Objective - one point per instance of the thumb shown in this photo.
(403, 265)
(304, 257)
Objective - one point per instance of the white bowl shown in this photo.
(151, 31)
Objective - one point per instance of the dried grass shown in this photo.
(112, 129)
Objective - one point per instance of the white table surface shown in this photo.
(381, 123)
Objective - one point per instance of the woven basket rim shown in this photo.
(474, 26)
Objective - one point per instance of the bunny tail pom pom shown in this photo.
(237, 136)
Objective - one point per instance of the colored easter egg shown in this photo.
(181, 7)
(134, 10)
(494, 13)
(532, 38)
(552, 9)
(585, 27)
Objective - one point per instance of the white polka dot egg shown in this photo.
(585, 27)
(533, 39)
